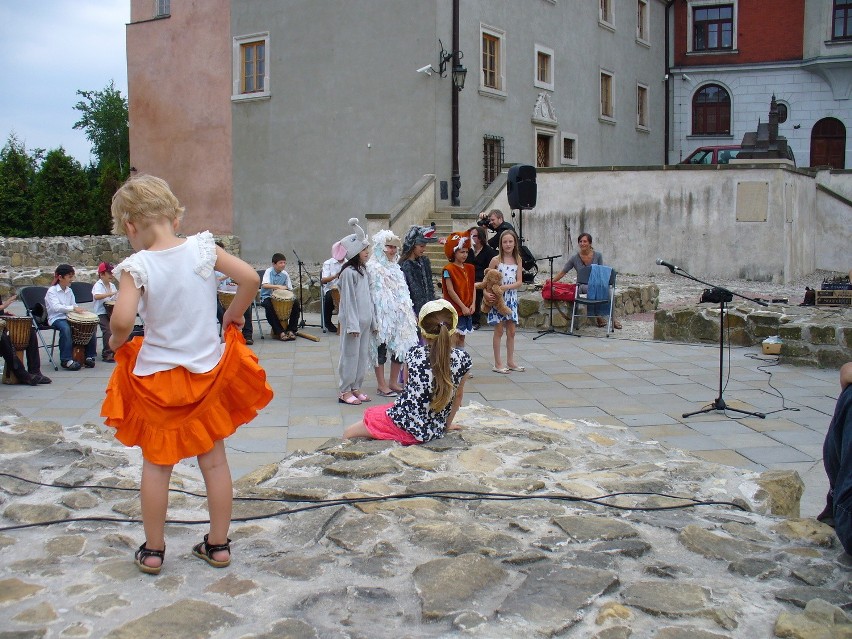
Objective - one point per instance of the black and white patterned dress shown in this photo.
(411, 410)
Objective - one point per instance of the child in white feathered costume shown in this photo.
(397, 330)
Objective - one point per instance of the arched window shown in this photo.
(711, 111)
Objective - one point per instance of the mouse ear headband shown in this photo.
(356, 242)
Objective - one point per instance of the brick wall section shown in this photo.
(766, 32)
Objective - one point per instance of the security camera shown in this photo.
(685, 78)
(427, 69)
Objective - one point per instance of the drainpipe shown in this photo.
(454, 143)
(668, 78)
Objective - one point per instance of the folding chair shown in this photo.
(582, 299)
(255, 304)
(82, 292)
(32, 296)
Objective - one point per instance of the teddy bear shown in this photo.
(491, 282)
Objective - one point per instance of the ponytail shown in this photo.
(438, 326)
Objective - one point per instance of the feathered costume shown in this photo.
(391, 301)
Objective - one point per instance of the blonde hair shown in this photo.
(516, 252)
(440, 348)
(142, 199)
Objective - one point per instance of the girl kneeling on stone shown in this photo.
(436, 373)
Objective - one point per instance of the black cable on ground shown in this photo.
(315, 504)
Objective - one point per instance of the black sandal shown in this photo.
(143, 553)
(207, 553)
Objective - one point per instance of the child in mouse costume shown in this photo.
(397, 329)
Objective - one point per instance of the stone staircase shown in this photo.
(443, 219)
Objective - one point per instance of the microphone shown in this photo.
(668, 265)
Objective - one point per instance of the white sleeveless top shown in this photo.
(178, 306)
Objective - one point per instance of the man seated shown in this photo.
(276, 279)
(32, 373)
(837, 458)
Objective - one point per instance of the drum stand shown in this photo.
(302, 322)
(552, 301)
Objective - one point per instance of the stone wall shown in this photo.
(31, 261)
(534, 311)
(811, 335)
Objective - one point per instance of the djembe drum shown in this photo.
(83, 327)
(282, 304)
(226, 295)
(19, 329)
(108, 308)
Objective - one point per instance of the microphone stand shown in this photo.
(724, 296)
(552, 301)
(302, 322)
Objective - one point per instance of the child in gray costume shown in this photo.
(355, 318)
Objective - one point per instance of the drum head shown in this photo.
(283, 295)
(83, 317)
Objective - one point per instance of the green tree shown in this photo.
(62, 197)
(105, 122)
(17, 173)
(109, 179)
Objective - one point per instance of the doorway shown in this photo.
(828, 144)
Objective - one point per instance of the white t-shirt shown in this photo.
(178, 306)
(99, 289)
(330, 267)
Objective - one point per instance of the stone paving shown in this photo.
(544, 548)
(643, 385)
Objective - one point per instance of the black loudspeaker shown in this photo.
(521, 189)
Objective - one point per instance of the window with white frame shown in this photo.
(642, 10)
(605, 16)
(841, 20)
(543, 67)
(492, 77)
(607, 97)
(642, 107)
(569, 149)
(711, 26)
(162, 8)
(492, 158)
(543, 148)
(250, 67)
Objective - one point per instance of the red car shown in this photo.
(713, 154)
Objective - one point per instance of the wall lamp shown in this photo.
(459, 70)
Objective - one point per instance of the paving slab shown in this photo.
(644, 386)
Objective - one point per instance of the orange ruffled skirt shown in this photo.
(175, 414)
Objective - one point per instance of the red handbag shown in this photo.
(559, 291)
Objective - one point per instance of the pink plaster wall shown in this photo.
(179, 95)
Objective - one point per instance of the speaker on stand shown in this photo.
(522, 191)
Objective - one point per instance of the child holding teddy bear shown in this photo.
(507, 262)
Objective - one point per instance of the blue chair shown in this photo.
(582, 299)
(33, 299)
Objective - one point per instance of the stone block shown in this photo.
(832, 358)
(790, 332)
(846, 337)
(528, 305)
(822, 335)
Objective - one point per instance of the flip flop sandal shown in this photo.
(205, 551)
(502, 371)
(352, 400)
(143, 553)
(390, 393)
(517, 369)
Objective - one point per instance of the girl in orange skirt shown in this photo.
(180, 391)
